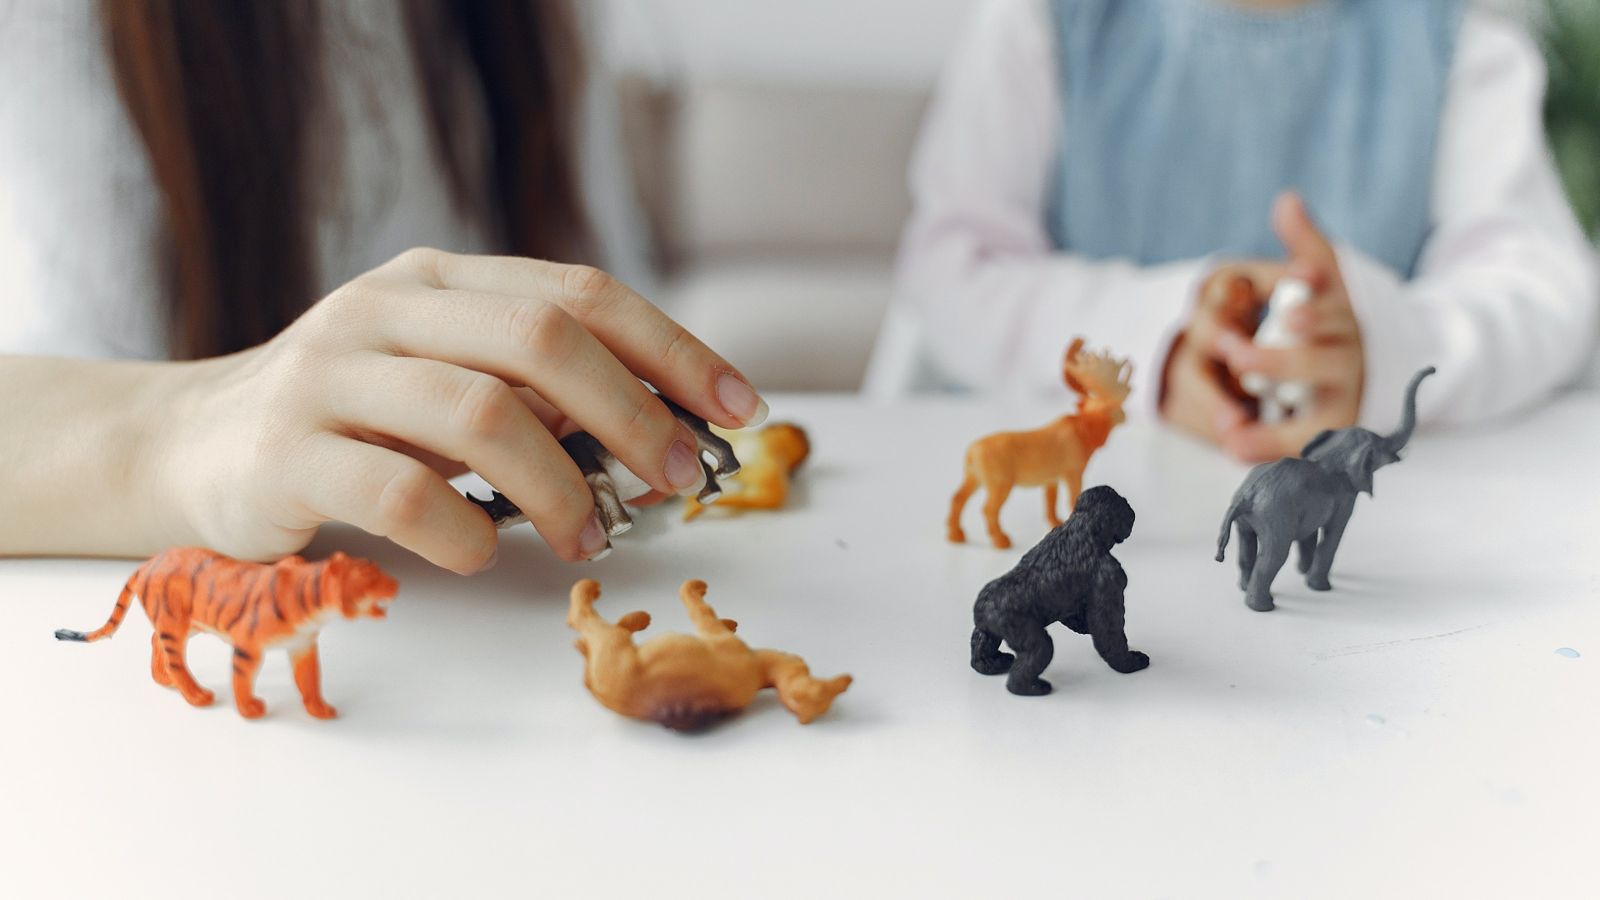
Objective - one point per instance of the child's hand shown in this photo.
(1329, 358)
(361, 409)
(1201, 383)
(1199, 394)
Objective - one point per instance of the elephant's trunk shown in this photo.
(1402, 435)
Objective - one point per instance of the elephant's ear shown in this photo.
(1319, 440)
(1361, 468)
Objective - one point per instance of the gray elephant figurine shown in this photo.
(1308, 501)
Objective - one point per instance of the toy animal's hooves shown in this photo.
(501, 510)
(1261, 605)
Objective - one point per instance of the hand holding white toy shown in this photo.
(1278, 397)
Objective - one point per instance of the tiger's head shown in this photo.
(357, 587)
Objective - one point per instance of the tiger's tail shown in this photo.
(136, 585)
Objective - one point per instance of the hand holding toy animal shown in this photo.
(687, 682)
(1045, 456)
(769, 457)
(253, 607)
(1308, 501)
(613, 484)
(1070, 577)
(1279, 398)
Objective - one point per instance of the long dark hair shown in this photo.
(226, 97)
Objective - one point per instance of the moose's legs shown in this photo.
(803, 695)
(969, 484)
(1247, 554)
(1273, 552)
(995, 494)
(1034, 651)
(1050, 516)
(986, 656)
(1074, 488)
(1106, 624)
(1308, 550)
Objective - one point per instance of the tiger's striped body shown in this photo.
(253, 607)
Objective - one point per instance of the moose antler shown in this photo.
(1099, 375)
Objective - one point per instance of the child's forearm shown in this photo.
(82, 464)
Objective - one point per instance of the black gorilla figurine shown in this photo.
(1070, 577)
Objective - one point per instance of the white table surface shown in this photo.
(1413, 733)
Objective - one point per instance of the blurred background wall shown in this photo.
(769, 145)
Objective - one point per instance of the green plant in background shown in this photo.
(1571, 39)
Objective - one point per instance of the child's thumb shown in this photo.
(1310, 251)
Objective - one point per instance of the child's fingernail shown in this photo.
(593, 543)
(684, 471)
(741, 400)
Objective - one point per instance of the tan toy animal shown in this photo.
(768, 460)
(1042, 457)
(687, 682)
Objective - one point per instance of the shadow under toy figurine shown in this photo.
(611, 482)
(1045, 456)
(1070, 577)
(770, 458)
(1308, 501)
(687, 682)
(251, 606)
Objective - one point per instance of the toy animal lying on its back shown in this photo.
(768, 458)
(1308, 502)
(1045, 456)
(687, 682)
(253, 607)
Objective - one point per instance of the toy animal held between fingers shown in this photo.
(254, 608)
(1069, 577)
(1046, 456)
(687, 682)
(1279, 398)
(1307, 502)
(613, 485)
(769, 457)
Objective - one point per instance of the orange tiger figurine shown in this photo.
(253, 607)
(687, 682)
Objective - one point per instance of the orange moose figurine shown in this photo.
(253, 607)
(1044, 456)
(769, 458)
(687, 682)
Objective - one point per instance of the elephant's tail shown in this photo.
(1227, 526)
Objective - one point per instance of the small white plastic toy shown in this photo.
(1279, 397)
